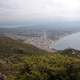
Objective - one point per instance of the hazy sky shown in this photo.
(26, 10)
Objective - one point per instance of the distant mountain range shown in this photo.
(54, 30)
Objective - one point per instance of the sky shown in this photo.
(30, 10)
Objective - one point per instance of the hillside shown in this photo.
(10, 46)
(11, 52)
(19, 61)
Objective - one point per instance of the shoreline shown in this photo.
(42, 44)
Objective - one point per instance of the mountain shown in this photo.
(19, 61)
(10, 46)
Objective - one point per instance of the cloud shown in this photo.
(39, 9)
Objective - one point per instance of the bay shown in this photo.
(70, 41)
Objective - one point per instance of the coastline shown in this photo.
(41, 43)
